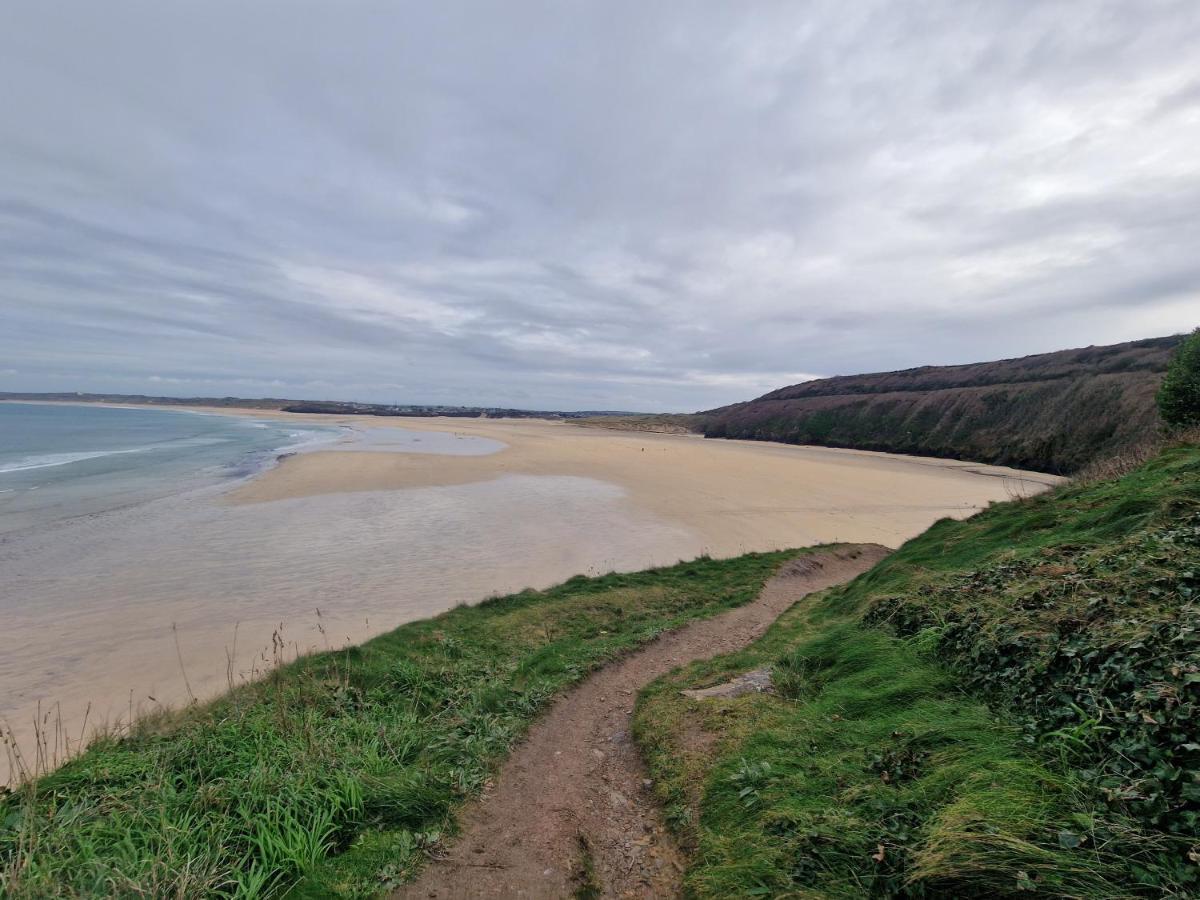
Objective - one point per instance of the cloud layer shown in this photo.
(585, 205)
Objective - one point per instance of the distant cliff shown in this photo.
(1054, 412)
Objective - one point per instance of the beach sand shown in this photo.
(113, 611)
(736, 496)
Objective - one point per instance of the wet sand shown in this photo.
(374, 539)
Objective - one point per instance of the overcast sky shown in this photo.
(611, 205)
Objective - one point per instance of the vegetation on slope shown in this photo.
(1053, 412)
(1179, 394)
(337, 772)
(1008, 704)
(659, 423)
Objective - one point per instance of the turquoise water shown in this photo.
(59, 461)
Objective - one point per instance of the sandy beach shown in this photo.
(144, 607)
(736, 496)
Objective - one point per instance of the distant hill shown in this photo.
(327, 407)
(1054, 412)
(142, 400)
(342, 408)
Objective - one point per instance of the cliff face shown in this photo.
(1053, 412)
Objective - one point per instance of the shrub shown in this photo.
(1179, 394)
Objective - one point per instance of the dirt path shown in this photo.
(576, 787)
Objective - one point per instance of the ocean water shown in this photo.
(59, 461)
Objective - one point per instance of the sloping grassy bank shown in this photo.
(1054, 412)
(1006, 705)
(333, 775)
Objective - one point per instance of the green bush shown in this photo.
(1179, 395)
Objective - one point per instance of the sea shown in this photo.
(59, 461)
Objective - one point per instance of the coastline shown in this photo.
(336, 546)
(741, 495)
(686, 479)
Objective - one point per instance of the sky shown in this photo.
(584, 205)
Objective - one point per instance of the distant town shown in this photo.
(327, 407)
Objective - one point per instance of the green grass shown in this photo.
(869, 774)
(1007, 704)
(337, 773)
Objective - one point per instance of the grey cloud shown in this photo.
(621, 205)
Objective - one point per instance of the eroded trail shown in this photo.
(576, 786)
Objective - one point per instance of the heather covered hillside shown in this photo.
(1053, 412)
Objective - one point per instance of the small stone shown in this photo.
(754, 682)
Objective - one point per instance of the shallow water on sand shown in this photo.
(92, 607)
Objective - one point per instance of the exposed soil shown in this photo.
(572, 809)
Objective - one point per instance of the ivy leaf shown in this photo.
(1069, 840)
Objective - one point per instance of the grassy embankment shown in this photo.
(1008, 704)
(337, 772)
